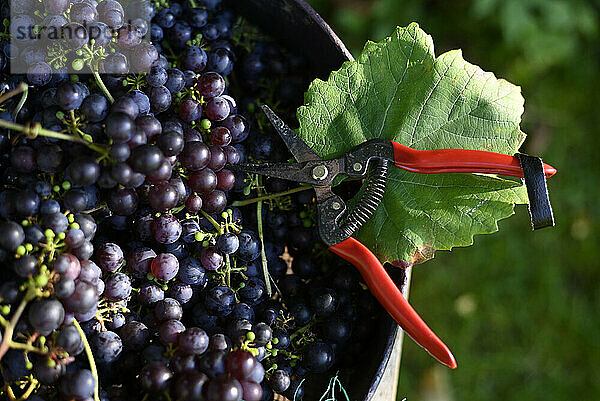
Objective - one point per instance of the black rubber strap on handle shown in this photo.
(540, 209)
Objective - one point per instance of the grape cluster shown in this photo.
(137, 263)
(54, 37)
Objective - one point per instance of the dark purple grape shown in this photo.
(69, 339)
(74, 238)
(150, 125)
(166, 229)
(128, 37)
(57, 6)
(139, 260)
(49, 158)
(83, 13)
(169, 331)
(193, 203)
(119, 126)
(240, 364)
(146, 159)
(318, 357)
(218, 159)
(220, 136)
(39, 73)
(95, 107)
(224, 389)
(279, 381)
(183, 293)
(225, 180)
(165, 18)
(180, 34)
(75, 35)
(64, 287)
(211, 258)
(198, 17)
(100, 33)
(126, 105)
(150, 293)
(237, 126)
(175, 81)
(193, 341)
(195, 156)
(106, 346)
(220, 60)
(217, 109)
(57, 222)
(191, 272)
(67, 265)
(116, 63)
(163, 196)
(135, 335)
(211, 85)
(165, 266)
(203, 181)
(117, 287)
(11, 235)
(215, 202)
(122, 201)
(119, 152)
(89, 272)
(190, 385)
(160, 99)
(194, 58)
(157, 76)
(109, 257)
(219, 301)
(143, 56)
(251, 391)
(78, 384)
(23, 159)
(111, 13)
(83, 171)
(228, 243)
(170, 143)
(46, 315)
(155, 378)
(83, 298)
(189, 110)
(162, 174)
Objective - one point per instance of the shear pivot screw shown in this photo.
(320, 172)
(357, 166)
(336, 206)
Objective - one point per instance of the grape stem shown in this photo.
(32, 385)
(21, 102)
(263, 256)
(102, 86)
(271, 196)
(212, 221)
(21, 88)
(88, 352)
(36, 129)
(7, 341)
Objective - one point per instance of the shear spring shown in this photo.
(370, 199)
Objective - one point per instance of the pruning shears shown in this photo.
(337, 225)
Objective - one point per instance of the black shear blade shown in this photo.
(299, 149)
(284, 171)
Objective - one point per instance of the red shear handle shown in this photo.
(459, 161)
(390, 297)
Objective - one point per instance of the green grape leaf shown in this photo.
(397, 89)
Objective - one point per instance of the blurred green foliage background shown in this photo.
(519, 309)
